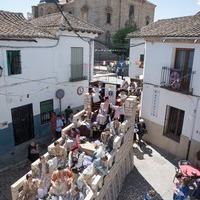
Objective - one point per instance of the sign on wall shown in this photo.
(110, 91)
(155, 103)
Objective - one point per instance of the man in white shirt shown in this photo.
(59, 125)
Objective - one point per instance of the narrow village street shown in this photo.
(153, 168)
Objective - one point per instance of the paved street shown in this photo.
(154, 169)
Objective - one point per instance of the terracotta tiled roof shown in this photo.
(15, 26)
(57, 21)
(180, 27)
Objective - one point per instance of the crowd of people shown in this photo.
(68, 172)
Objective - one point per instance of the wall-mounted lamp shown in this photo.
(1, 71)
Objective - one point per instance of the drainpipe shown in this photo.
(120, 12)
(192, 129)
(90, 61)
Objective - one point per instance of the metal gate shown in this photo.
(23, 127)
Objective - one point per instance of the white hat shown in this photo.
(141, 120)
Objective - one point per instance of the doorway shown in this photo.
(23, 127)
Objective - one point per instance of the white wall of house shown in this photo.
(137, 47)
(46, 67)
(163, 54)
(173, 99)
(158, 55)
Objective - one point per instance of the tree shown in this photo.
(120, 45)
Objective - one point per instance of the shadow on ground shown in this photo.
(135, 187)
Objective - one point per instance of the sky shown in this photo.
(164, 9)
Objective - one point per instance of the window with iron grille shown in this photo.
(173, 123)
(108, 18)
(46, 108)
(13, 62)
(76, 63)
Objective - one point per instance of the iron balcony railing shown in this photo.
(177, 80)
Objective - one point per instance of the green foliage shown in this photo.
(120, 44)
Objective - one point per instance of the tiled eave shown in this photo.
(195, 40)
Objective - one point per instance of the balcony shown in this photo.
(78, 79)
(177, 80)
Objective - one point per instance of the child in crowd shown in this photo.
(150, 195)
(178, 182)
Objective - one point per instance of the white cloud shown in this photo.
(198, 2)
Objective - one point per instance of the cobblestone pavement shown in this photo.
(154, 168)
(10, 176)
(135, 186)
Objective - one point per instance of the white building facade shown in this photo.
(42, 72)
(171, 94)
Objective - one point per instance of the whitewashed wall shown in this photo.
(163, 54)
(137, 47)
(48, 63)
(158, 55)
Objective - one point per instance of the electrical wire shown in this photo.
(59, 8)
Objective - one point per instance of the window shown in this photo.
(131, 11)
(147, 20)
(184, 63)
(173, 123)
(77, 64)
(108, 37)
(108, 18)
(13, 62)
(141, 57)
(46, 108)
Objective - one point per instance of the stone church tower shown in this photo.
(109, 15)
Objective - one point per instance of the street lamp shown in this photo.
(1, 71)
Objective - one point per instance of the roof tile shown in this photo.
(57, 21)
(188, 26)
(15, 25)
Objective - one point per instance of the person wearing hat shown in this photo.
(96, 93)
(75, 159)
(121, 96)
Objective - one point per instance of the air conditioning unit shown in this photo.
(3, 125)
